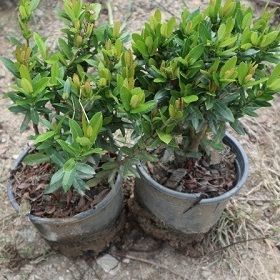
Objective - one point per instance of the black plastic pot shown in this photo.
(187, 212)
(91, 230)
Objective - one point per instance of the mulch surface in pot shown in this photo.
(195, 175)
(29, 183)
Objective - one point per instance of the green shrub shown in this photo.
(212, 68)
(74, 93)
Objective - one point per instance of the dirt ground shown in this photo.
(247, 237)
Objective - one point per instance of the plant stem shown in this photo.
(110, 11)
(196, 139)
(36, 129)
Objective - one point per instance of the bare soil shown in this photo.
(195, 175)
(245, 244)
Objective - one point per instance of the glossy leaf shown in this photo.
(37, 158)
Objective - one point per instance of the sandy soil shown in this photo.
(251, 216)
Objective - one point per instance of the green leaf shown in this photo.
(276, 72)
(204, 32)
(164, 137)
(67, 86)
(250, 111)
(273, 82)
(142, 48)
(230, 25)
(97, 9)
(40, 85)
(269, 39)
(251, 52)
(96, 123)
(96, 180)
(34, 4)
(34, 115)
(237, 126)
(26, 85)
(228, 66)
(84, 141)
(170, 25)
(247, 20)
(25, 122)
(125, 96)
(68, 179)
(144, 108)
(242, 72)
(56, 182)
(69, 165)
(24, 72)
(66, 147)
(85, 168)
(254, 83)
(157, 15)
(222, 110)
(195, 54)
(94, 151)
(228, 42)
(149, 42)
(58, 159)
(159, 80)
(136, 37)
(221, 32)
(255, 38)
(64, 48)
(10, 66)
(80, 186)
(34, 159)
(136, 100)
(110, 165)
(190, 98)
(43, 137)
(55, 73)
(274, 85)
(41, 45)
(76, 130)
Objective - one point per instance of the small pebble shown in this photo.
(206, 274)
(126, 260)
(108, 263)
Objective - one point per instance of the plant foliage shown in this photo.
(209, 69)
(76, 93)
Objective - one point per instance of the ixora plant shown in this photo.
(71, 97)
(209, 70)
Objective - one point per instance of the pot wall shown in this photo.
(183, 211)
(78, 233)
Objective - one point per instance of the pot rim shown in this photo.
(243, 175)
(80, 216)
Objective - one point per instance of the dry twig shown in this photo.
(239, 242)
(110, 11)
(269, 2)
(134, 258)
(166, 9)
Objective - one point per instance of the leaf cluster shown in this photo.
(211, 68)
(75, 95)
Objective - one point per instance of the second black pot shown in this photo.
(182, 211)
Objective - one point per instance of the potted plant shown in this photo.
(70, 181)
(208, 71)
